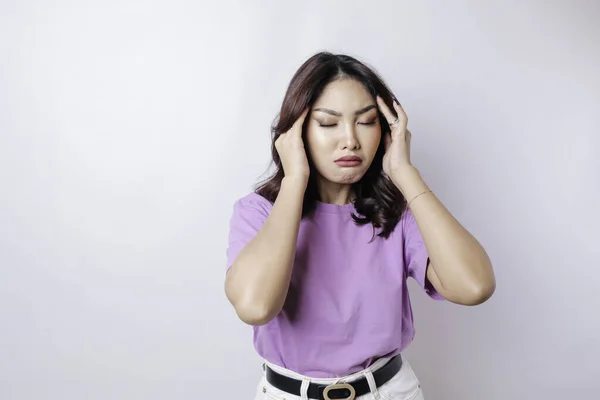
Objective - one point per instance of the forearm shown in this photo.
(258, 281)
(458, 259)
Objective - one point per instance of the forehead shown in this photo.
(344, 95)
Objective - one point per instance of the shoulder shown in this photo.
(408, 228)
(406, 218)
(406, 225)
(253, 201)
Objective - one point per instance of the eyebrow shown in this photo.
(337, 114)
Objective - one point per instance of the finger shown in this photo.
(400, 111)
(297, 127)
(385, 110)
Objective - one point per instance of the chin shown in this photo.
(347, 178)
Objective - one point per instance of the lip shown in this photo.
(349, 158)
(348, 161)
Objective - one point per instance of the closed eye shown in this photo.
(373, 122)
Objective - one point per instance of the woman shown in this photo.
(318, 256)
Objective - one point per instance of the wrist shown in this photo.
(295, 185)
(409, 181)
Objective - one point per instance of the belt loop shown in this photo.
(372, 384)
(304, 388)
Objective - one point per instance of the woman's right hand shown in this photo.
(290, 148)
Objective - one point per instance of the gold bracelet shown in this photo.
(427, 191)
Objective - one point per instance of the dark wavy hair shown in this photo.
(376, 198)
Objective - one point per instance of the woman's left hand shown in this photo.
(397, 142)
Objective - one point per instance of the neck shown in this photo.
(334, 193)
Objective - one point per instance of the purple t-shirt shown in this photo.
(348, 301)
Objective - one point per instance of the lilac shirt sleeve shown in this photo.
(416, 257)
(249, 215)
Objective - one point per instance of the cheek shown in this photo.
(371, 143)
(309, 142)
(317, 144)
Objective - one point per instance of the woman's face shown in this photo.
(343, 123)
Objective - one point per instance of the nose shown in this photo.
(350, 141)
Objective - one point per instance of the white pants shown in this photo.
(403, 386)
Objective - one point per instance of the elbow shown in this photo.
(479, 293)
(253, 314)
(480, 286)
(251, 310)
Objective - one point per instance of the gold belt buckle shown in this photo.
(338, 386)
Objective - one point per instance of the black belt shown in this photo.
(335, 391)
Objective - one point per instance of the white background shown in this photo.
(128, 129)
